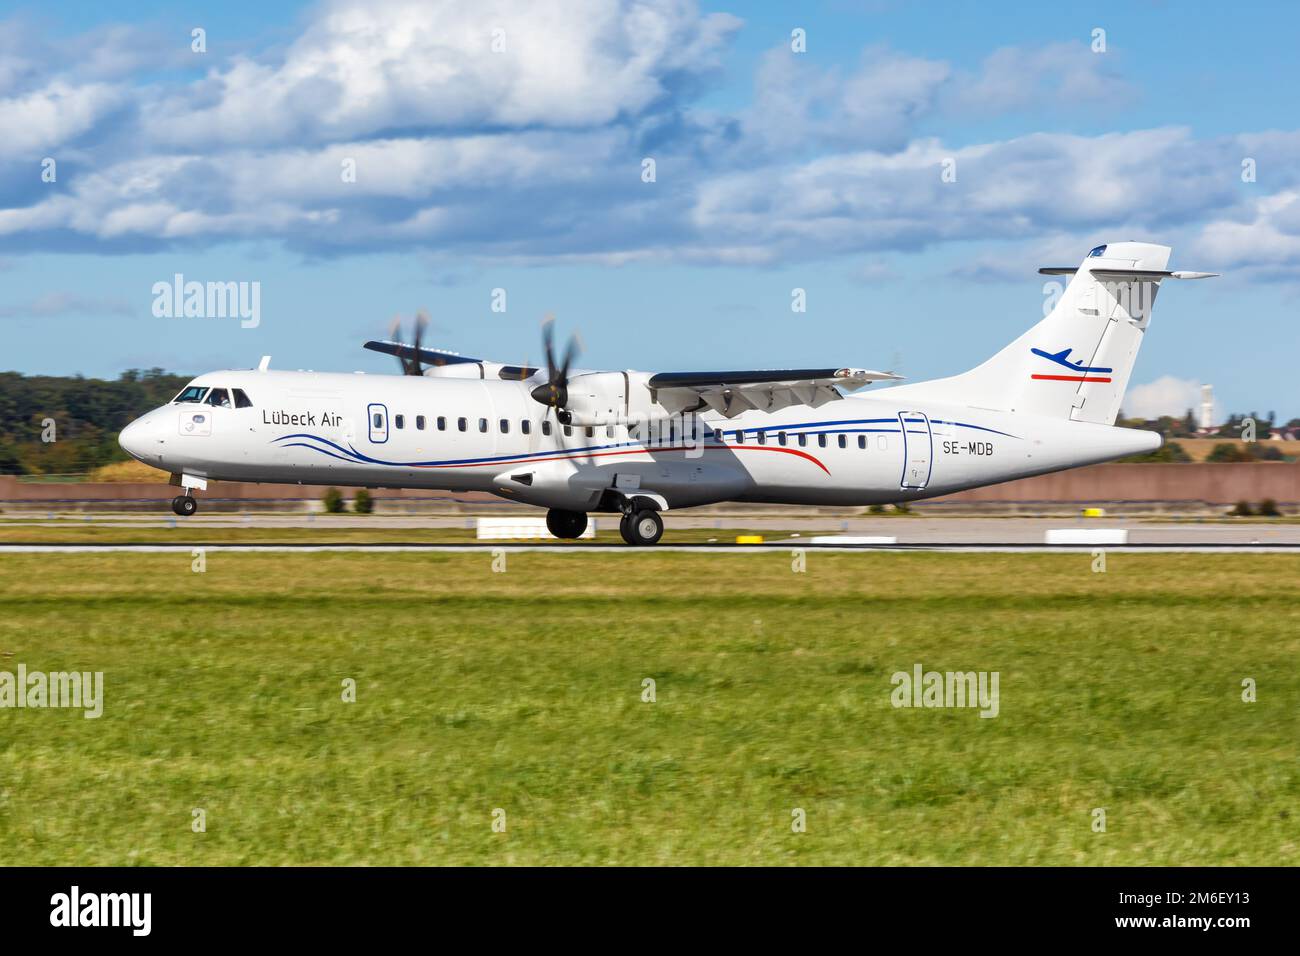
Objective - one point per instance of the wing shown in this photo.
(434, 357)
(730, 393)
(436, 360)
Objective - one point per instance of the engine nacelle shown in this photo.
(612, 398)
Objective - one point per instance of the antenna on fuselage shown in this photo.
(263, 365)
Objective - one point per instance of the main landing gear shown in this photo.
(641, 527)
(566, 524)
(184, 505)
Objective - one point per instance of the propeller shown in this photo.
(410, 366)
(554, 392)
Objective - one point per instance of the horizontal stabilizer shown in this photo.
(1127, 275)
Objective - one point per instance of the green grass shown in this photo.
(522, 691)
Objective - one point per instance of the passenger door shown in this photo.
(918, 450)
(377, 420)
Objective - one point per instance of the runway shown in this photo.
(709, 532)
(784, 546)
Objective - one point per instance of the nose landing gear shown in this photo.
(184, 505)
(566, 524)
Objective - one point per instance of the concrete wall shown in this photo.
(1174, 484)
(1212, 484)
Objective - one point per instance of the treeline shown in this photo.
(1185, 426)
(87, 414)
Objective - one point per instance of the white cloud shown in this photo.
(1167, 395)
(367, 67)
(37, 121)
(798, 105)
(534, 154)
(1019, 78)
(1265, 240)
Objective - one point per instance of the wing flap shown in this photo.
(850, 377)
(731, 393)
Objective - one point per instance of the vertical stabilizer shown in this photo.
(1076, 363)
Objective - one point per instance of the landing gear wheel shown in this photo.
(641, 527)
(566, 524)
(184, 505)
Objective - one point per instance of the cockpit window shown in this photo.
(191, 393)
(241, 400)
(219, 397)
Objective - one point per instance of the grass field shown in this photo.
(522, 691)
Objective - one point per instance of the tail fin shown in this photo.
(1076, 363)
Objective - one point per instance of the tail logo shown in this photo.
(1062, 358)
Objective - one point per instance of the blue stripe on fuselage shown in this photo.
(353, 455)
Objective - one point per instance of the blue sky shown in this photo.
(521, 170)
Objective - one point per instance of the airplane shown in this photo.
(1063, 358)
(639, 444)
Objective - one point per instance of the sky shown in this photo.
(362, 159)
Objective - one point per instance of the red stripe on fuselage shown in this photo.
(630, 451)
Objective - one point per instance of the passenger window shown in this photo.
(740, 436)
(546, 427)
(590, 432)
(609, 431)
(419, 423)
(862, 441)
(505, 426)
(803, 440)
(821, 440)
(525, 426)
(568, 431)
(482, 425)
(631, 432)
(882, 442)
(762, 438)
(844, 442)
(218, 397)
(462, 423)
(781, 438)
(442, 423)
(378, 420)
(241, 400)
(399, 421)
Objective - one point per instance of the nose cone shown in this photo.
(141, 439)
(132, 438)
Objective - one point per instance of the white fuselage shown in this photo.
(489, 435)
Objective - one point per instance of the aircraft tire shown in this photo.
(566, 524)
(641, 528)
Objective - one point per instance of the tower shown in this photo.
(1207, 407)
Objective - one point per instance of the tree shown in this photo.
(1225, 452)
(1170, 451)
(88, 414)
